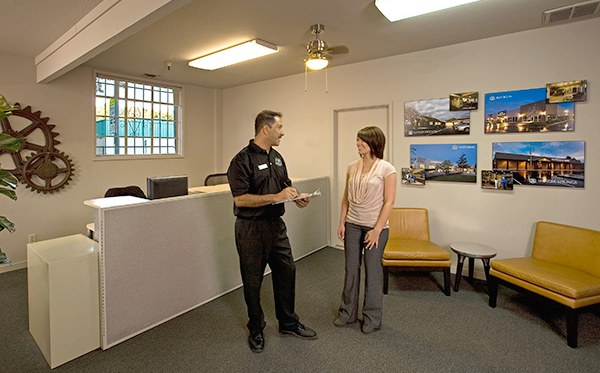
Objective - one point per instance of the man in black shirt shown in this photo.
(258, 179)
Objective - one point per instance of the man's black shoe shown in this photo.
(299, 331)
(256, 340)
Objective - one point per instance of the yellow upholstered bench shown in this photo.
(409, 247)
(564, 267)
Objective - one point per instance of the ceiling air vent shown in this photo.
(571, 12)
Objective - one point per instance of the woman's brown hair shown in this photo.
(375, 138)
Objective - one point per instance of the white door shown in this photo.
(347, 123)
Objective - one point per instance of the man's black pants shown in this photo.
(262, 242)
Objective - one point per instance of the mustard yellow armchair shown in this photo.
(410, 249)
(564, 267)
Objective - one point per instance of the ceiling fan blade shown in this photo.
(338, 49)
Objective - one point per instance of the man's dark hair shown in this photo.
(265, 117)
(375, 138)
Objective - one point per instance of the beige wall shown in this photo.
(458, 211)
(217, 119)
(68, 102)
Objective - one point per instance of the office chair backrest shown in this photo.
(132, 190)
(410, 223)
(215, 179)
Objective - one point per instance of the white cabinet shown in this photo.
(64, 311)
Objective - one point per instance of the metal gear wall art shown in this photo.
(38, 165)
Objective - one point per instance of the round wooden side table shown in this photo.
(472, 251)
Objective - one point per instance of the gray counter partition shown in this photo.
(165, 257)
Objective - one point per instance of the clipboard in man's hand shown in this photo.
(301, 196)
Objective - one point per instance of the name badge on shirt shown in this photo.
(262, 166)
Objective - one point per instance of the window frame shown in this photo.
(178, 99)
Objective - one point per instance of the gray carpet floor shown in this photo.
(423, 331)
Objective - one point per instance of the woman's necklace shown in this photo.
(367, 166)
(362, 183)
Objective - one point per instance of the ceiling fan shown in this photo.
(318, 51)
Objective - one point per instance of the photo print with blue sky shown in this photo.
(526, 111)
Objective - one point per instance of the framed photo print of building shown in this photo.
(445, 162)
(574, 91)
(464, 101)
(434, 118)
(526, 111)
(551, 163)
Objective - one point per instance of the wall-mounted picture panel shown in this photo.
(410, 176)
(464, 101)
(526, 111)
(434, 118)
(445, 162)
(552, 163)
(574, 91)
(496, 180)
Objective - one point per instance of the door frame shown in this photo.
(336, 146)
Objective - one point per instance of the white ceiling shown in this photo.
(28, 27)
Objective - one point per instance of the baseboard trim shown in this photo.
(13, 266)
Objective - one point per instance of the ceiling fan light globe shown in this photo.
(317, 63)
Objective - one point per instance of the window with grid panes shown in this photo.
(136, 118)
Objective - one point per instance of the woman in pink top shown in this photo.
(368, 199)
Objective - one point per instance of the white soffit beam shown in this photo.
(104, 26)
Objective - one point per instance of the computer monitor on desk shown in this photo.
(167, 186)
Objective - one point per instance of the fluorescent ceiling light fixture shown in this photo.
(317, 62)
(232, 55)
(395, 10)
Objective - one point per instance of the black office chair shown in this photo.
(215, 179)
(132, 190)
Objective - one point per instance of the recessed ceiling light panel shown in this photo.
(235, 54)
(395, 10)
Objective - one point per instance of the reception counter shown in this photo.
(161, 258)
(62, 290)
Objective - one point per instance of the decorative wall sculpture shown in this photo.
(38, 165)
